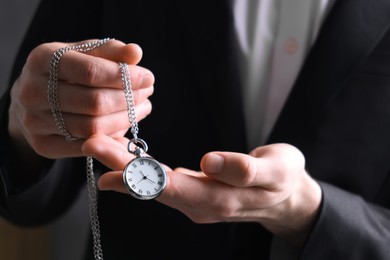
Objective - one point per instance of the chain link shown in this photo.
(52, 97)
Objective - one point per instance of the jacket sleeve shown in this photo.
(47, 196)
(348, 227)
(43, 201)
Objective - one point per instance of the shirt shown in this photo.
(274, 37)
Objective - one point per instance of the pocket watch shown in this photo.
(144, 177)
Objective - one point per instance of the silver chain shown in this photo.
(128, 89)
(52, 89)
(52, 97)
(93, 210)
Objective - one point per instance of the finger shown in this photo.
(75, 98)
(119, 52)
(96, 102)
(88, 70)
(273, 166)
(91, 69)
(112, 181)
(188, 172)
(238, 169)
(40, 56)
(87, 67)
(84, 126)
(111, 152)
(80, 126)
(55, 146)
(112, 49)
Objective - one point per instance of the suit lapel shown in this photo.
(349, 34)
(212, 50)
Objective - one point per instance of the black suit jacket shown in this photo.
(338, 114)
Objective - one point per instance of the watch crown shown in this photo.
(138, 151)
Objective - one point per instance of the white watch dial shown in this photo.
(144, 178)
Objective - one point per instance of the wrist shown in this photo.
(294, 218)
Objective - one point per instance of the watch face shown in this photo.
(144, 178)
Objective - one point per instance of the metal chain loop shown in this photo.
(52, 88)
(93, 210)
(52, 97)
(128, 89)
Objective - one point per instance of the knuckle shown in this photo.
(223, 207)
(39, 57)
(225, 210)
(90, 72)
(94, 126)
(28, 120)
(142, 94)
(26, 93)
(97, 102)
(283, 170)
(39, 145)
(250, 170)
(37, 53)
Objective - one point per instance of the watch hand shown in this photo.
(150, 180)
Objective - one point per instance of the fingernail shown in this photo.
(214, 163)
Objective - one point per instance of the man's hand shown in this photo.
(269, 186)
(90, 96)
